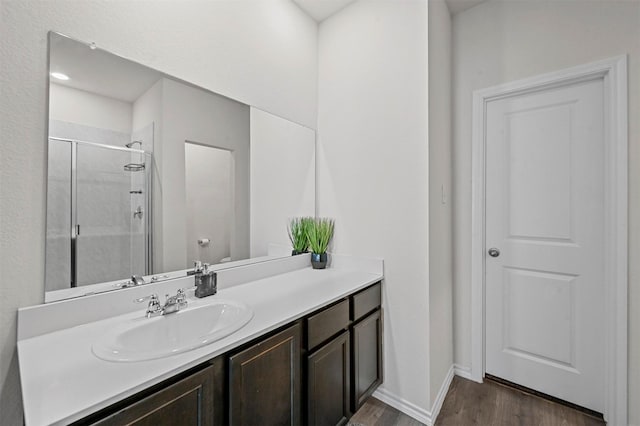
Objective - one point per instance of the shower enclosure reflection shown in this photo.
(98, 215)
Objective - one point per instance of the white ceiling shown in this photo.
(457, 6)
(322, 9)
(97, 71)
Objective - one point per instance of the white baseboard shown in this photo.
(412, 410)
(442, 393)
(400, 404)
(462, 371)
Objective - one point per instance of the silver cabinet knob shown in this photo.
(494, 252)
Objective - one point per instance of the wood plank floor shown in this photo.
(483, 404)
(376, 413)
(490, 403)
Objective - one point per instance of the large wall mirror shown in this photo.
(147, 173)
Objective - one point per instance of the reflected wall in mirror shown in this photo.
(147, 173)
(208, 194)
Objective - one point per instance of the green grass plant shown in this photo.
(298, 233)
(319, 234)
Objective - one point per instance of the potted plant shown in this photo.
(297, 231)
(319, 234)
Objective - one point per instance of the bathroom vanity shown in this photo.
(311, 354)
(280, 343)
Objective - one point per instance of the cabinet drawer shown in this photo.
(366, 301)
(325, 324)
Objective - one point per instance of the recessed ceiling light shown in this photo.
(60, 76)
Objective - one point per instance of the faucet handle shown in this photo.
(154, 306)
(181, 298)
(168, 300)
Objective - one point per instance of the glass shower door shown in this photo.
(58, 243)
(109, 215)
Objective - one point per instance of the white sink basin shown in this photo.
(151, 338)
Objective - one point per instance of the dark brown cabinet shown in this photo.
(366, 336)
(265, 381)
(189, 401)
(317, 370)
(329, 383)
(347, 369)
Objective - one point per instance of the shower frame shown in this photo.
(75, 226)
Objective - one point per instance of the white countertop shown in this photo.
(63, 381)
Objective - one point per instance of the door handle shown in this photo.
(494, 252)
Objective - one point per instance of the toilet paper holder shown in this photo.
(203, 241)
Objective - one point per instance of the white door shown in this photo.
(544, 213)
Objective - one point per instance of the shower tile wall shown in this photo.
(104, 211)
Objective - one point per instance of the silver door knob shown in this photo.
(494, 252)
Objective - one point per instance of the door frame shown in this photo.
(613, 71)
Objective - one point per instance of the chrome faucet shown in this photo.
(171, 305)
(137, 280)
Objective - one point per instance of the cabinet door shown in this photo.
(187, 402)
(367, 358)
(265, 381)
(329, 383)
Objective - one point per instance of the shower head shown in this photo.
(130, 144)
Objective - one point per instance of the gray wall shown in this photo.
(208, 197)
(373, 168)
(281, 79)
(440, 212)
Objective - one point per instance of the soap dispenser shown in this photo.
(206, 281)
